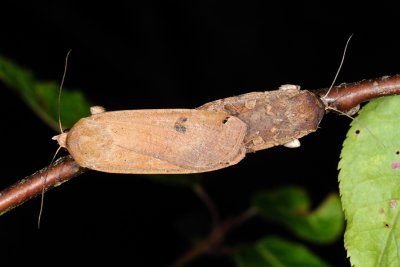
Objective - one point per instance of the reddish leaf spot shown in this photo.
(395, 165)
(393, 203)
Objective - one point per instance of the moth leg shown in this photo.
(293, 144)
(289, 87)
(353, 111)
(97, 109)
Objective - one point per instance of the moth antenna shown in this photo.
(59, 91)
(44, 187)
(340, 66)
(61, 130)
(344, 113)
(357, 121)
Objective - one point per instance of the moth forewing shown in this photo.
(273, 118)
(157, 141)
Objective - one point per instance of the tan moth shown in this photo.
(156, 141)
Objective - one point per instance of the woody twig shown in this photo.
(62, 170)
(345, 97)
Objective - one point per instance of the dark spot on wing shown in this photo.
(357, 131)
(179, 125)
(397, 152)
(386, 225)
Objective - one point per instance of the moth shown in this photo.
(156, 141)
(273, 118)
(211, 137)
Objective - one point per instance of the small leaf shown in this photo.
(370, 184)
(290, 206)
(276, 252)
(42, 97)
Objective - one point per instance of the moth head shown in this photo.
(61, 139)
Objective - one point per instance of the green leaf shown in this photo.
(276, 252)
(370, 184)
(42, 97)
(290, 206)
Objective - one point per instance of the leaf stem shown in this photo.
(214, 239)
(207, 200)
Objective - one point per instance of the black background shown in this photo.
(174, 54)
